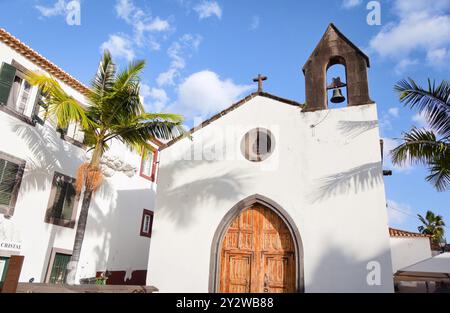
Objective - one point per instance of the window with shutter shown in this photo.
(11, 172)
(40, 108)
(147, 223)
(20, 94)
(7, 75)
(3, 269)
(59, 268)
(63, 201)
(149, 164)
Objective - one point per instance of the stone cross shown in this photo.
(260, 80)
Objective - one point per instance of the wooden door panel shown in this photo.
(257, 253)
(279, 273)
(237, 273)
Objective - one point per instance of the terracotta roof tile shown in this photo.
(41, 61)
(403, 233)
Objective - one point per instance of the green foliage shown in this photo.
(114, 111)
(432, 225)
(431, 146)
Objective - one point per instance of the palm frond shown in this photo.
(124, 98)
(422, 219)
(439, 169)
(64, 108)
(433, 103)
(137, 132)
(129, 75)
(176, 118)
(104, 79)
(419, 146)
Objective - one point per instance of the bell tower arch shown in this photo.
(334, 48)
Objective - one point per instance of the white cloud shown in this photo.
(419, 120)
(156, 24)
(404, 65)
(254, 25)
(208, 9)
(58, 8)
(145, 26)
(422, 28)
(205, 93)
(347, 4)
(394, 111)
(154, 99)
(119, 46)
(125, 9)
(398, 212)
(438, 57)
(168, 77)
(385, 122)
(178, 51)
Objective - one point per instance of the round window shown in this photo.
(257, 145)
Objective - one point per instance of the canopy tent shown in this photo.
(435, 269)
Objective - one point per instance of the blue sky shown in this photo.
(202, 55)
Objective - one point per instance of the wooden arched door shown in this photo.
(257, 254)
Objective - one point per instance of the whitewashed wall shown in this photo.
(328, 179)
(112, 238)
(406, 251)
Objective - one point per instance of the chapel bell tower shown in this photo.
(334, 48)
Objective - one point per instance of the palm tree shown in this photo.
(432, 225)
(430, 146)
(115, 112)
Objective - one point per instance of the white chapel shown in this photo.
(271, 195)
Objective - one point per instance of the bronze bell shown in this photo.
(336, 86)
(337, 96)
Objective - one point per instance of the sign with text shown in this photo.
(11, 246)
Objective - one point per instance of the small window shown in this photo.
(75, 132)
(41, 108)
(58, 269)
(20, 94)
(11, 172)
(63, 201)
(147, 223)
(4, 261)
(257, 145)
(149, 164)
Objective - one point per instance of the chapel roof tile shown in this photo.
(41, 61)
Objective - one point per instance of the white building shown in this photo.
(268, 196)
(408, 248)
(271, 196)
(38, 209)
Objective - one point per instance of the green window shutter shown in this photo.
(68, 202)
(8, 175)
(40, 108)
(4, 262)
(7, 73)
(59, 199)
(59, 268)
(64, 200)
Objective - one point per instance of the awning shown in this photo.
(435, 269)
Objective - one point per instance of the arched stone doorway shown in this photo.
(257, 248)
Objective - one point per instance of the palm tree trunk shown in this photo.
(79, 236)
(82, 220)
